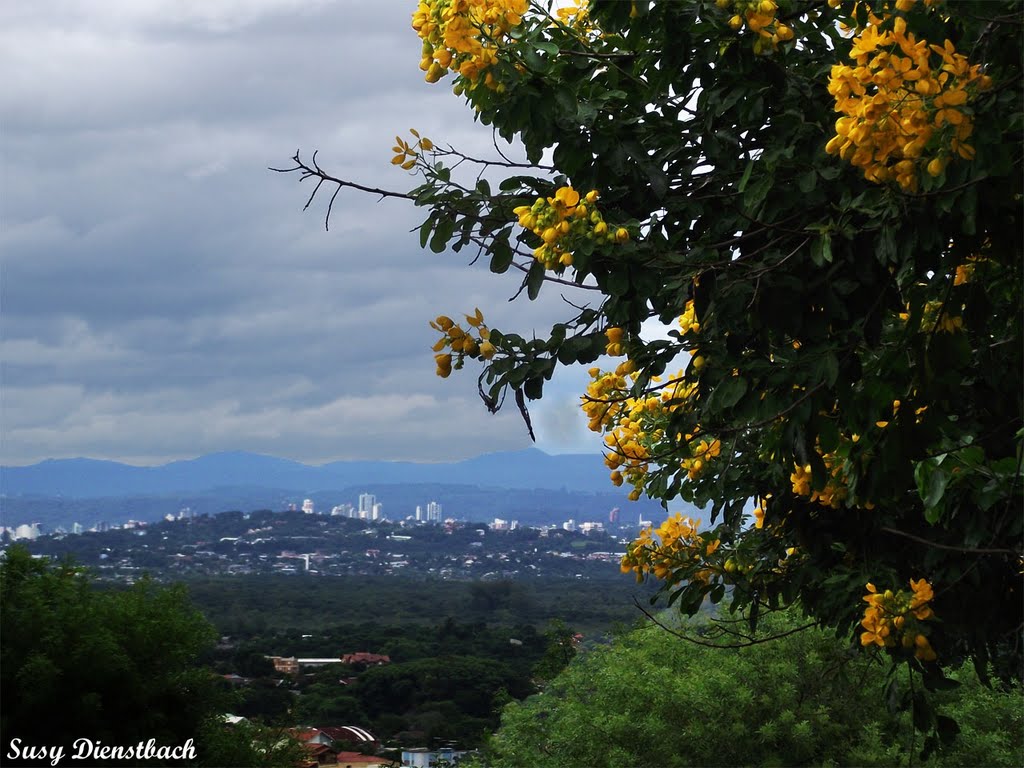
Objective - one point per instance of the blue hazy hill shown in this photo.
(91, 478)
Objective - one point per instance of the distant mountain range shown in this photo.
(91, 478)
(527, 485)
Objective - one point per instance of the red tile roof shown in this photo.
(362, 657)
(355, 758)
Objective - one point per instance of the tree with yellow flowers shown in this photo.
(824, 200)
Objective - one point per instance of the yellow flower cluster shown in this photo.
(834, 492)
(464, 36)
(630, 439)
(614, 347)
(679, 547)
(605, 399)
(904, 103)
(759, 17)
(576, 16)
(759, 512)
(635, 426)
(688, 320)
(461, 342)
(938, 317)
(964, 274)
(700, 455)
(406, 154)
(562, 221)
(893, 620)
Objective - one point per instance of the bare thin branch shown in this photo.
(312, 169)
(695, 641)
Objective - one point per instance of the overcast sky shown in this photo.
(163, 295)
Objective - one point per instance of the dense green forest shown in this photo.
(447, 681)
(459, 650)
(244, 606)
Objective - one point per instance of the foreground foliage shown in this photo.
(824, 200)
(805, 699)
(115, 667)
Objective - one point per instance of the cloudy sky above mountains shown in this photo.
(163, 295)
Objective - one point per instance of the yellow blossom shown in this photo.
(901, 97)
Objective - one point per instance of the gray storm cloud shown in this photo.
(164, 295)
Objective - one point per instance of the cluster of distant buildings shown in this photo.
(291, 665)
(32, 531)
(368, 508)
(371, 509)
(29, 531)
(571, 525)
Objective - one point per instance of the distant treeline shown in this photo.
(251, 605)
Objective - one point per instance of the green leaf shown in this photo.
(566, 102)
(617, 282)
(585, 114)
(830, 368)
(887, 246)
(947, 728)
(442, 234)
(534, 280)
(758, 191)
(746, 175)
(934, 680)
(924, 715)
(828, 435)
(501, 255)
(535, 61)
(729, 392)
(931, 743)
(821, 250)
(425, 229)
(932, 480)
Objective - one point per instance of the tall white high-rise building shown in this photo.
(434, 512)
(366, 502)
(377, 512)
(419, 513)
